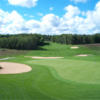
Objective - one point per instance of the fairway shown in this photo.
(69, 78)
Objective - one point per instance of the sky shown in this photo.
(51, 17)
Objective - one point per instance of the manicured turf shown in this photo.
(74, 70)
(71, 78)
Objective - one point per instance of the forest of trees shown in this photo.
(73, 38)
(34, 41)
(23, 41)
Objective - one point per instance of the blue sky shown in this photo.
(34, 11)
(44, 5)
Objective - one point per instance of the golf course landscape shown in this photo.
(49, 49)
(71, 77)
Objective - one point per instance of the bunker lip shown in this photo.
(37, 57)
(13, 68)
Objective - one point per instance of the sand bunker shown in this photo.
(74, 47)
(47, 57)
(37, 57)
(83, 55)
(13, 68)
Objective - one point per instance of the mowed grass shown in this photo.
(70, 78)
(73, 70)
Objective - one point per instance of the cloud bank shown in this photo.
(73, 21)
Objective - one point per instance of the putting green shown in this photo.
(73, 70)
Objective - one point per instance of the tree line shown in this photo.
(34, 41)
(22, 41)
(73, 38)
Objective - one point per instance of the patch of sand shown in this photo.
(13, 68)
(74, 47)
(47, 57)
(37, 57)
(83, 55)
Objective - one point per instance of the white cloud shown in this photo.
(71, 22)
(33, 26)
(51, 19)
(79, 1)
(71, 11)
(23, 3)
(11, 22)
(51, 8)
(49, 24)
(78, 24)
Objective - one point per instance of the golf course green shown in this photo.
(70, 78)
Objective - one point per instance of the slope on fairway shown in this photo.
(74, 70)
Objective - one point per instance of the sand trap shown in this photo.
(13, 68)
(47, 57)
(37, 57)
(83, 55)
(74, 47)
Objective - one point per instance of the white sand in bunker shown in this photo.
(83, 55)
(74, 47)
(37, 57)
(13, 68)
(47, 57)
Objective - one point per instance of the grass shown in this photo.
(8, 52)
(82, 71)
(71, 78)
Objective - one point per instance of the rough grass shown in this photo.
(49, 79)
(8, 52)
